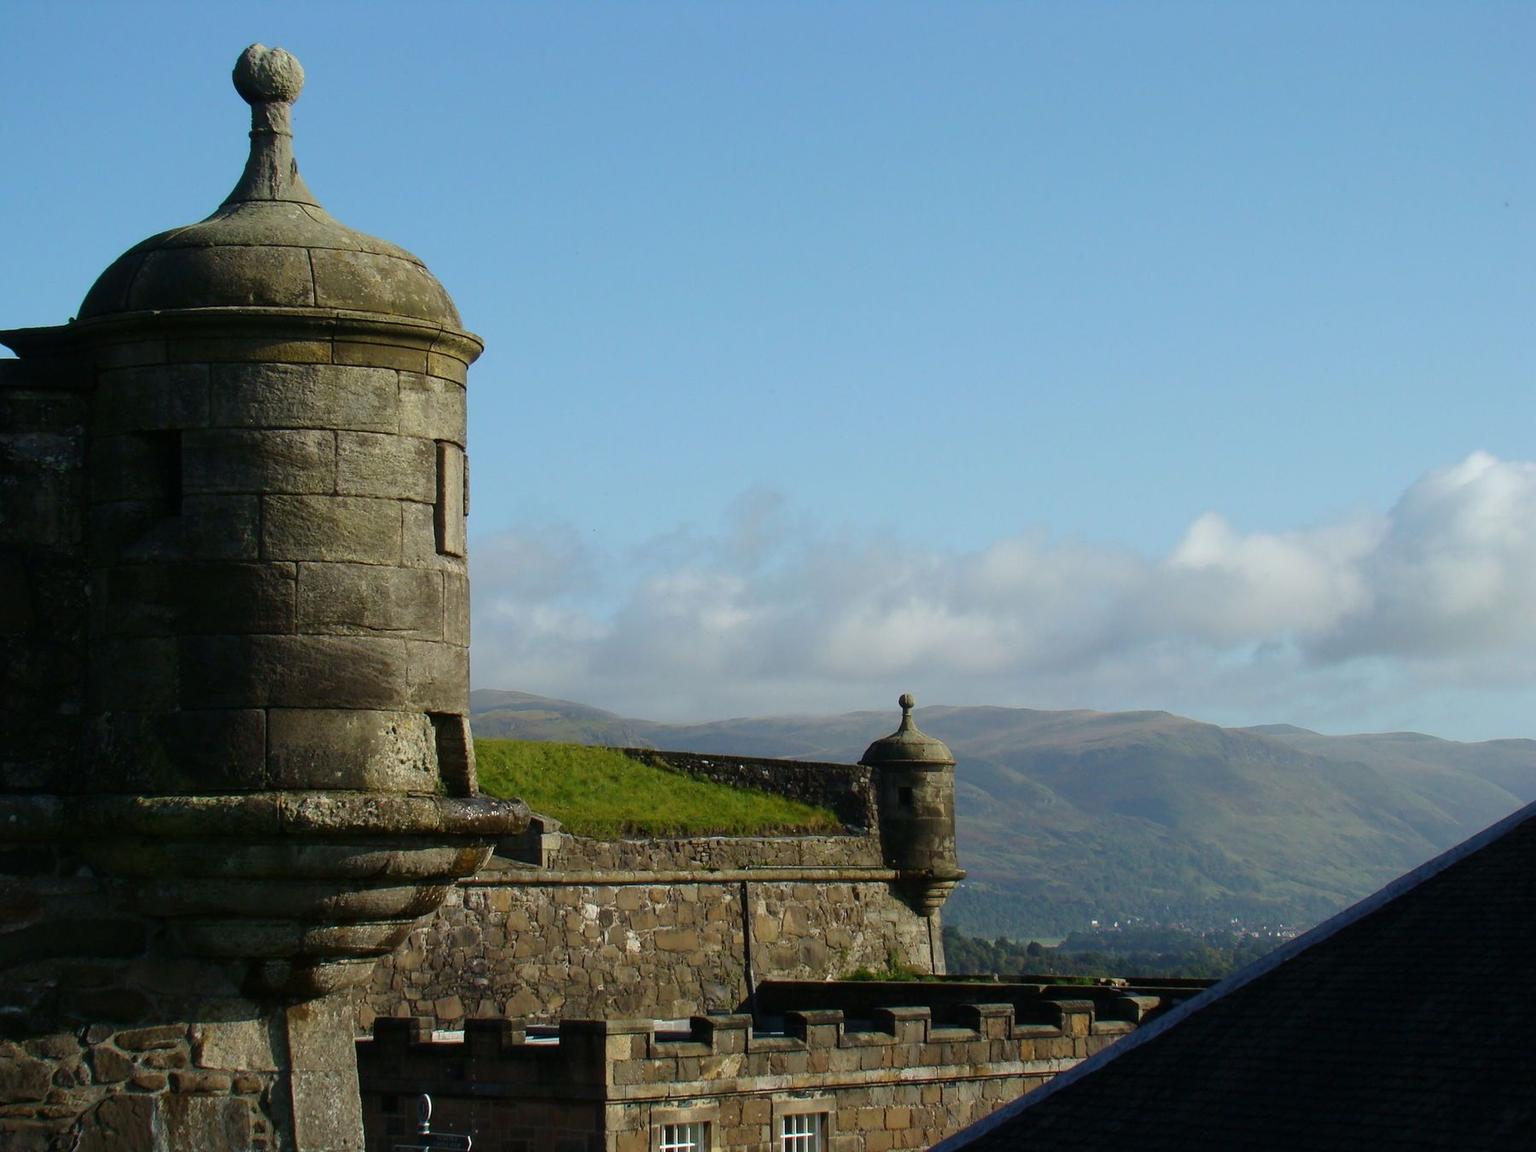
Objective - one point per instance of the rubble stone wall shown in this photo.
(100, 1049)
(662, 928)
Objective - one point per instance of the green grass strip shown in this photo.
(607, 794)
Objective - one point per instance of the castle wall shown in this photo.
(44, 412)
(659, 927)
(904, 1078)
(111, 1038)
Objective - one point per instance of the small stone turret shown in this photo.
(278, 632)
(914, 777)
(243, 583)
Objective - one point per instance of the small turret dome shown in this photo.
(908, 744)
(270, 244)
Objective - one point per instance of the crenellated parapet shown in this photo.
(944, 1061)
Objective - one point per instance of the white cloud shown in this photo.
(774, 613)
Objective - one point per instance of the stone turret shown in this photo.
(255, 480)
(914, 777)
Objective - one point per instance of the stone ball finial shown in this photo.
(268, 76)
(907, 701)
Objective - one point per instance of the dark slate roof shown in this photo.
(1406, 1022)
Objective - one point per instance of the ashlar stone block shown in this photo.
(169, 599)
(158, 752)
(351, 748)
(452, 507)
(298, 461)
(364, 599)
(380, 355)
(432, 407)
(339, 528)
(152, 398)
(219, 527)
(456, 608)
(305, 396)
(297, 672)
(418, 539)
(373, 464)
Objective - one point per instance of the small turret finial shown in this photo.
(270, 80)
(268, 76)
(907, 702)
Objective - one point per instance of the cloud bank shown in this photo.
(1404, 618)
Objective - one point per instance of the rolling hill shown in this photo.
(1066, 817)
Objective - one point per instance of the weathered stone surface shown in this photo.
(196, 1123)
(219, 527)
(456, 608)
(374, 464)
(23, 1078)
(161, 752)
(437, 676)
(418, 540)
(130, 353)
(365, 599)
(381, 355)
(207, 528)
(432, 407)
(242, 460)
(120, 1124)
(340, 528)
(134, 674)
(133, 466)
(370, 283)
(645, 943)
(150, 1039)
(325, 1100)
(322, 396)
(450, 500)
(168, 598)
(246, 1044)
(448, 367)
(221, 277)
(275, 349)
(108, 1065)
(311, 672)
(151, 398)
(351, 748)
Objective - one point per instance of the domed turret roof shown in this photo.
(909, 744)
(270, 244)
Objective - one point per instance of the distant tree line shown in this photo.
(1137, 951)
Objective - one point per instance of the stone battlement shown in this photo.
(606, 1082)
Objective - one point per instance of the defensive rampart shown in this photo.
(660, 927)
(901, 1078)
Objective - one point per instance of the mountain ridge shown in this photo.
(1071, 816)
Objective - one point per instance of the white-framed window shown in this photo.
(803, 1123)
(803, 1132)
(687, 1128)
(690, 1137)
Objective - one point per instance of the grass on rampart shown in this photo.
(607, 794)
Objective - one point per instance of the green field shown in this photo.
(607, 793)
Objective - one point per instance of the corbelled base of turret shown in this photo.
(174, 969)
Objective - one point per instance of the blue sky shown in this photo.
(1159, 356)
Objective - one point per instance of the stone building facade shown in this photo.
(560, 925)
(819, 1079)
(663, 928)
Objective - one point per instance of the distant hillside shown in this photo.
(1066, 817)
